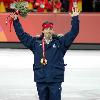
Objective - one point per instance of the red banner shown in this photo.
(89, 26)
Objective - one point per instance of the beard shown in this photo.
(48, 35)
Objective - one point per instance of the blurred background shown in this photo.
(53, 5)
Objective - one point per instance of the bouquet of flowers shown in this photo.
(20, 8)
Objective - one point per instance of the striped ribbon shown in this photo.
(43, 60)
(10, 19)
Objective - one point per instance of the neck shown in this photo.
(48, 39)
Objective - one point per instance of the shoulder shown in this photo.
(60, 35)
(57, 36)
(37, 36)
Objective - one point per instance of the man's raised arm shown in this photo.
(68, 38)
(24, 37)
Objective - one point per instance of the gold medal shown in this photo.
(43, 61)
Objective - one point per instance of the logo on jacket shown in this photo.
(54, 46)
(40, 44)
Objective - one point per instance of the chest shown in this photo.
(51, 47)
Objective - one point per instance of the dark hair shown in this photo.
(47, 22)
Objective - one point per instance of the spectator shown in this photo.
(87, 5)
(65, 5)
(57, 6)
(49, 6)
(40, 6)
(96, 5)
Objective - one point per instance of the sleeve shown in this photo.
(24, 37)
(68, 38)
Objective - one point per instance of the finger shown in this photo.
(69, 13)
(72, 9)
(11, 15)
(74, 4)
(77, 10)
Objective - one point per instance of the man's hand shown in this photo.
(14, 16)
(75, 10)
(11, 18)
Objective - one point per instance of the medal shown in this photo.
(43, 60)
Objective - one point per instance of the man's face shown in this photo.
(48, 32)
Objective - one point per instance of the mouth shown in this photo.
(48, 33)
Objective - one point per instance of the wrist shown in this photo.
(15, 17)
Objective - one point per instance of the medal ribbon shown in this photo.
(11, 19)
(43, 48)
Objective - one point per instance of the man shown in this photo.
(49, 50)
